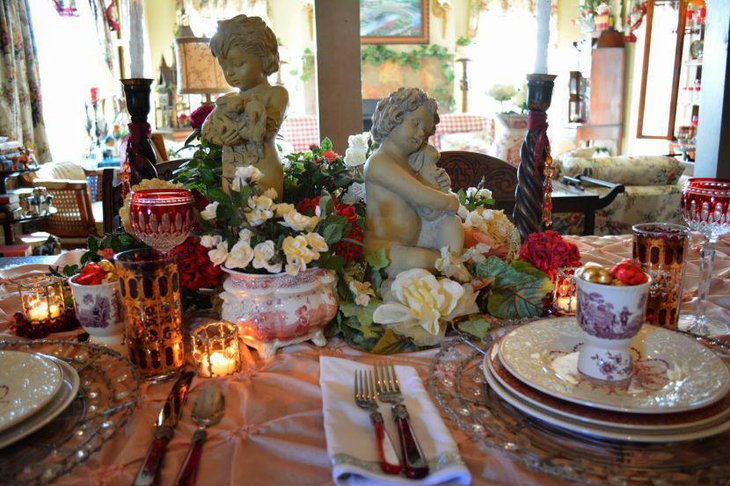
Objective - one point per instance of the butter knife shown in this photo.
(166, 422)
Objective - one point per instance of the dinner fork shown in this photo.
(365, 399)
(389, 391)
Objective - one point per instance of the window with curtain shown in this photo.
(71, 63)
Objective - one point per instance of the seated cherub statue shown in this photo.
(410, 213)
(246, 123)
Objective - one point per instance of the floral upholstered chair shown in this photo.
(653, 189)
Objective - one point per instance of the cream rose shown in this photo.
(210, 211)
(263, 253)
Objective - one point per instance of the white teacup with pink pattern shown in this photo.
(610, 317)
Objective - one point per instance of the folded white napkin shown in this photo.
(351, 441)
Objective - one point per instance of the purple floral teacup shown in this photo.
(610, 316)
(99, 310)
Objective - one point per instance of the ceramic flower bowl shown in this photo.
(610, 316)
(272, 311)
(99, 311)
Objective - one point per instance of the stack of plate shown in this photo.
(678, 391)
(34, 389)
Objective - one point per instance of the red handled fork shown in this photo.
(389, 391)
(365, 399)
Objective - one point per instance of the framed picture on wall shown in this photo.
(394, 21)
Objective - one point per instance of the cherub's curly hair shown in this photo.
(250, 33)
(390, 111)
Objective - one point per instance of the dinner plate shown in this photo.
(68, 390)
(628, 434)
(663, 421)
(28, 382)
(672, 373)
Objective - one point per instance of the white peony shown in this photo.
(219, 254)
(263, 253)
(210, 241)
(245, 176)
(209, 212)
(362, 291)
(240, 255)
(419, 304)
(355, 157)
(299, 222)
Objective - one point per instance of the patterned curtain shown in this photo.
(477, 7)
(21, 116)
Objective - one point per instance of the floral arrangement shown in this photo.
(507, 92)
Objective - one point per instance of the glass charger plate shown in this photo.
(458, 385)
(107, 395)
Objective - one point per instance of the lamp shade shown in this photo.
(198, 71)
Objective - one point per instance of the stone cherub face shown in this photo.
(242, 69)
(413, 130)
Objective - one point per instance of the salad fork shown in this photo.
(389, 391)
(365, 399)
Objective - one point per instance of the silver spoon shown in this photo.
(207, 410)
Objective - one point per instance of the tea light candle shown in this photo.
(566, 305)
(41, 299)
(216, 350)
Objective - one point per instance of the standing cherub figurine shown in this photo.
(246, 123)
(412, 216)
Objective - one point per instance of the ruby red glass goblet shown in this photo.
(705, 207)
(162, 218)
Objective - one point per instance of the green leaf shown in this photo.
(363, 314)
(391, 343)
(326, 144)
(517, 290)
(377, 259)
(476, 327)
(333, 233)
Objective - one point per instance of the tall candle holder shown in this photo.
(532, 206)
(216, 350)
(139, 160)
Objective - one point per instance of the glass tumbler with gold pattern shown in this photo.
(150, 287)
(661, 250)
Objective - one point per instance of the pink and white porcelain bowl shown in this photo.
(610, 317)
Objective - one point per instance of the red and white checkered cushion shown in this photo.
(300, 131)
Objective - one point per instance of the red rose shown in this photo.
(198, 116)
(106, 253)
(548, 251)
(196, 269)
(330, 155)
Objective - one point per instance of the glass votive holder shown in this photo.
(565, 300)
(41, 299)
(216, 350)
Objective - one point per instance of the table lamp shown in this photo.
(198, 71)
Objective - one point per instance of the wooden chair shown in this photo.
(74, 219)
(467, 169)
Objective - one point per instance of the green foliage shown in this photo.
(518, 289)
(463, 41)
(307, 65)
(476, 327)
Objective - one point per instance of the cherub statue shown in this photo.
(411, 213)
(246, 123)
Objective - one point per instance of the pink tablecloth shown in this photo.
(273, 433)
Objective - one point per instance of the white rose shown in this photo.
(210, 241)
(484, 194)
(316, 242)
(283, 208)
(359, 141)
(209, 212)
(245, 176)
(298, 254)
(219, 254)
(245, 235)
(299, 222)
(355, 157)
(262, 209)
(240, 255)
(355, 194)
(262, 255)
(451, 265)
(471, 192)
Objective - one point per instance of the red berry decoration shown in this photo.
(629, 273)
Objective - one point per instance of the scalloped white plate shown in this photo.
(672, 373)
(27, 383)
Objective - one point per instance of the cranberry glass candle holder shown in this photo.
(564, 297)
(216, 350)
(661, 251)
(162, 218)
(150, 287)
(42, 300)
